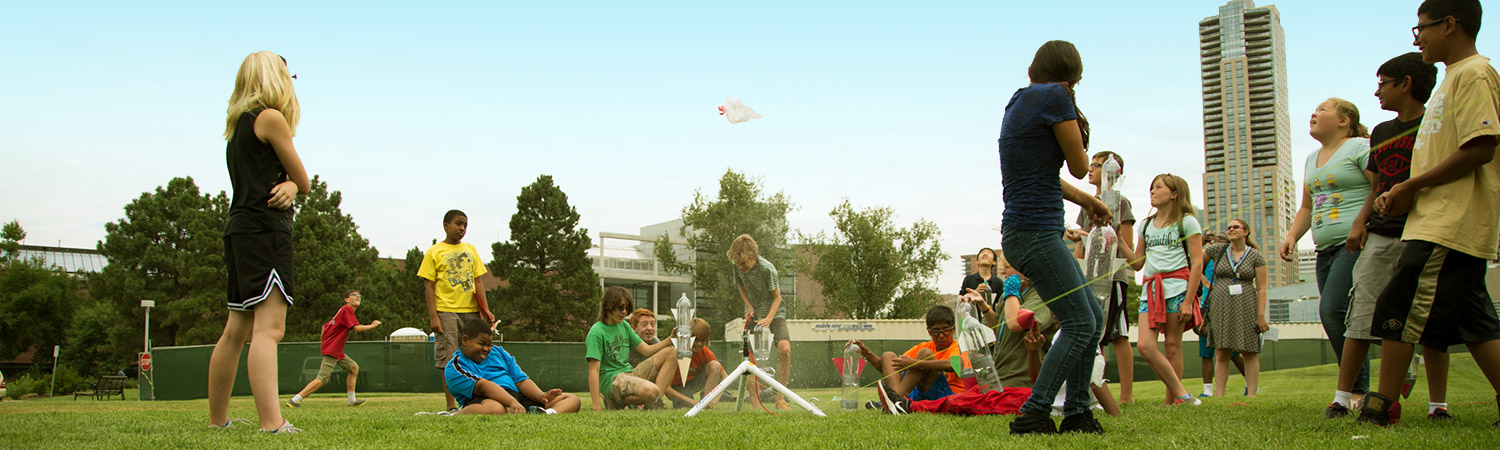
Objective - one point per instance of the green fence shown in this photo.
(181, 373)
(1286, 354)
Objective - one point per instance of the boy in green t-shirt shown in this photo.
(613, 383)
(453, 291)
(760, 287)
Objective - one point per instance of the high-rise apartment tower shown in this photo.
(1246, 128)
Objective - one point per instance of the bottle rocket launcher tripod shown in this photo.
(761, 351)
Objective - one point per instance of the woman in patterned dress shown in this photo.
(1238, 294)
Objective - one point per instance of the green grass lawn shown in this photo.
(1288, 413)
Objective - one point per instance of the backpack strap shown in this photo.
(1183, 235)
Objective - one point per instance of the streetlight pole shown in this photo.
(148, 391)
(147, 341)
(53, 388)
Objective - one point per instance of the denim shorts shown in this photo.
(1174, 304)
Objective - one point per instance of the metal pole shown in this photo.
(53, 388)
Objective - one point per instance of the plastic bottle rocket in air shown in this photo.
(849, 398)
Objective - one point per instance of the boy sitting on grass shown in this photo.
(485, 379)
(922, 373)
(613, 382)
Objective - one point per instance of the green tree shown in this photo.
(11, 236)
(36, 301)
(89, 346)
(169, 247)
(710, 224)
(551, 292)
(870, 269)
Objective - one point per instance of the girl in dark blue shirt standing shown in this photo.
(1043, 129)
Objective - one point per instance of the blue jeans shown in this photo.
(1335, 271)
(1042, 257)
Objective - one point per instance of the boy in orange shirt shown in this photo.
(926, 372)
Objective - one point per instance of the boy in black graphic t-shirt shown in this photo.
(1406, 83)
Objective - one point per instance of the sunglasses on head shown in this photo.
(283, 62)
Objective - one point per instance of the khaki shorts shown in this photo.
(1372, 271)
(779, 330)
(628, 384)
(326, 369)
(447, 341)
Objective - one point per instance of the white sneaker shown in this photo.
(285, 428)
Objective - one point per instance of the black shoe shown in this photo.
(1080, 423)
(1336, 411)
(1379, 410)
(872, 404)
(894, 403)
(727, 397)
(1440, 415)
(1033, 423)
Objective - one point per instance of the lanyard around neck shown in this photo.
(1234, 266)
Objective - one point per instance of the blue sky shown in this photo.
(413, 109)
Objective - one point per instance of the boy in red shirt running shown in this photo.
(335, 335)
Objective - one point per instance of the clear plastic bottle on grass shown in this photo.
(849, 398)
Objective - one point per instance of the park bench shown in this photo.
(107, 386)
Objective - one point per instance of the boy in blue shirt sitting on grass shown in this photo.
(485, 379)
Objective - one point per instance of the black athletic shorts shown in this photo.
(1115, 322)
(258, 263)
(526, 402)
(1436, 298)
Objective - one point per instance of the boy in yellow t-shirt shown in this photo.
(454, 293)
(1436, 295)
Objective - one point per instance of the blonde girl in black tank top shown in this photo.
(266, 175)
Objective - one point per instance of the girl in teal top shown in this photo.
(1334, 189)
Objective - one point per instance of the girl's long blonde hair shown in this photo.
(1183, 205)
(263, 82)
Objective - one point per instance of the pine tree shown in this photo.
(549, 291)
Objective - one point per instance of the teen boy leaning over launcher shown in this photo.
(760, 288)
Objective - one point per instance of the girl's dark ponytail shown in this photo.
(1083, 122)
